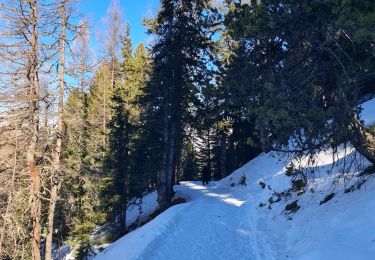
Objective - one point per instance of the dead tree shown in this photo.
(56, 176)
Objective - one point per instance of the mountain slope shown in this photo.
(330, 218)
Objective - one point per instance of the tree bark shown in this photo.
(223, 156)
(166, 173)
(123, 226)
(170, 163)
(56, 181)
(34, 110)
(125, 185)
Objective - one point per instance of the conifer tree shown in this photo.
(309, 66)
(125, 124)
(179, 69)
(98, 117)
(80, 186)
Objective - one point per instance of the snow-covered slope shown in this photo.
(137, 213)
(333, 218)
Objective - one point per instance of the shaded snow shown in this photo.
(225, 220)
(142, 209)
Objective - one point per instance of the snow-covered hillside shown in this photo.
(330, 218)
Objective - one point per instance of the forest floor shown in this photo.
(268, 218)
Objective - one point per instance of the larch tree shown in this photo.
(56, 176)
(24, 51)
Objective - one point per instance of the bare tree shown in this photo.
(113, 25)
(26, 51)
(21, 49)
(82, 62)
(55, 178)
(111, 42)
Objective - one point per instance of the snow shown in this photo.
(190, 230)
(226, 220)
(132, 245)
(148, 206)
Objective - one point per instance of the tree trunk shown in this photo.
(56, 181)
(171, 163)
(124, 162)
(162, 190)
(35, 200)
(123, 226)
(223, 156)
(51, 215)
(34, 110)
(363, 140)
(166, 173)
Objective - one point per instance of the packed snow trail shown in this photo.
(213, 225)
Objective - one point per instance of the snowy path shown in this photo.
(214, 226)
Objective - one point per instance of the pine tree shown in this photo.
(180, 67)
(307, 63)
(226, 109)
(98, 116)
(81, 200)
(124, 126)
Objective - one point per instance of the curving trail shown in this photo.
(214, 225)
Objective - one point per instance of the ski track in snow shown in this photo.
(212, 227)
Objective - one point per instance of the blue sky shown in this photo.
(134, 11)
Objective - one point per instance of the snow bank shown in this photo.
(141, 210)
(131, 245)
(138, 212)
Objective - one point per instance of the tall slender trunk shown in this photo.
(223, 156)
(125, 185)
(104, 122)
(166, 173)
(56, 181)
(209, 163)
(162, 190)
(123, 226)
(113, 71)
(34, 114)
(51, 215)
(171, 162)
